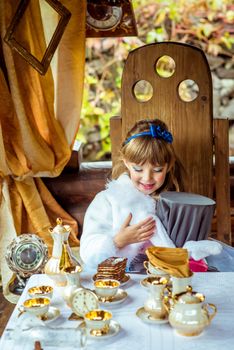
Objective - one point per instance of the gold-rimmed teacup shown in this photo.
(106, 288)
(179, 284)
(98, 322)
(35, 306)
(41, 292)
(153, 270)
(154, 304)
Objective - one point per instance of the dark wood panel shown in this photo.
(222, 179)
(6, 309)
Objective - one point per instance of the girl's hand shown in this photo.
(140, 232)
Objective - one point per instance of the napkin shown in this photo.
(201, 249)
(198, 265)
(174, 261)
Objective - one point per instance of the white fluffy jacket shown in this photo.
(108, 211)
(106, 214)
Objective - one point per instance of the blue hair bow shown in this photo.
(156, 132)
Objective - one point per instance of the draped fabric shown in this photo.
(39, 118)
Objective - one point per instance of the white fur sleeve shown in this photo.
(96, 242)
(161, 238)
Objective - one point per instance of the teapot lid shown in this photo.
(189, 297)
(60, 228)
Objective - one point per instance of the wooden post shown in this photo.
(115, 136)
(222, 180)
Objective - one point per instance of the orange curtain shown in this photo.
(39, 118)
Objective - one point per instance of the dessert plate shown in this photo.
(145, 317)
(120, 296)
(114, 329)
(125, 279)
(52, 314)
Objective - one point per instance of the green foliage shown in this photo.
(207, 24)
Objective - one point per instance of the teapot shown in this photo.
(62, 257)
(154, 304)
(187, 312)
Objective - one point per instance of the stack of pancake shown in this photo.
(113, 267)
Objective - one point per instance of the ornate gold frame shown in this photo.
(40, 66)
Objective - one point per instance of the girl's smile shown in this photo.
(147, 178)
(146, 187)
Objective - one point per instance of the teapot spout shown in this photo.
(67, 228)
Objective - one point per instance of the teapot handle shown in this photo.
(168, 300)
(211, 306)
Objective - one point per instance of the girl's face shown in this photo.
(147, 178)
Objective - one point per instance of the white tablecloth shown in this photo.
(136, 335)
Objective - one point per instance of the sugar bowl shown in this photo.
(187, 312)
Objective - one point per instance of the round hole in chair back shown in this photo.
(188, 90)
(143, 91)
(165, 66)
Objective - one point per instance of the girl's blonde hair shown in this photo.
(147, 149)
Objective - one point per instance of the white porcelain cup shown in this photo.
(41, 292)
(36, 306)
(179, 284)
(98, 321)
(106, 288)
(152, 270)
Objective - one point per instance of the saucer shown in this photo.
(119, 297)
(52, 314)
(113, 330)
(145, 317)
(125, 279)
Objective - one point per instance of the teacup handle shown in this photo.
(211, 306)
(146, 264)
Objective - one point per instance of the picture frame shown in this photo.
(40, 65)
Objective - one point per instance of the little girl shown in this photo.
(121, 220)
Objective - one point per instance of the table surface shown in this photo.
(134, 334)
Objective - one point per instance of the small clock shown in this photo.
(105, 18)
(83, 300)
(27, 254)
(102, 16)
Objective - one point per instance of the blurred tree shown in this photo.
(207, 24)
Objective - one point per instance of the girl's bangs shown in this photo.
(147, 151)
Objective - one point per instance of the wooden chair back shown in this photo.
(196, 134)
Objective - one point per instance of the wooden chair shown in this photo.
(200, 141)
